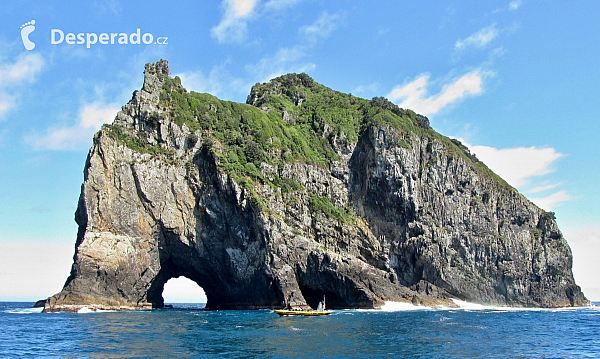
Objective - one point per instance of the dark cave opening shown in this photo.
(314, 296)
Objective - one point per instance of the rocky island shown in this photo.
(302, 190)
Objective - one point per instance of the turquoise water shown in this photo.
(188, 332)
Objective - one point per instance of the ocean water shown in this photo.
(187, 331)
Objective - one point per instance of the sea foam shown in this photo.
(25, 310)
(390, 306)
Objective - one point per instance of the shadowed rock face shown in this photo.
(394, 215)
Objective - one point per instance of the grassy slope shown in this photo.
(320, 121)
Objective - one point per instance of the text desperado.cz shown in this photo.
(90, 38)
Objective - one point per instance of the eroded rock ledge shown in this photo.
(321, 194)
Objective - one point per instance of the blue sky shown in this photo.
(515, 80)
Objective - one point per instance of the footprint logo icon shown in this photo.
(26, 29)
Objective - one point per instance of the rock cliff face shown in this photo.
(302, 190)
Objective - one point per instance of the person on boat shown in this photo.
(320, 307)
(287, 300)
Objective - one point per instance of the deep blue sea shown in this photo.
(186, 331)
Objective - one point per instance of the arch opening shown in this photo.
(182, 290)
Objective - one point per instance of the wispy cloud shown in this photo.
(14, 75)
(91, 117)
(285, 60)
(237, 14)
(292, 59)
(497, 53)
(233, 25)
(543, 188)
(367, 91)
(322, 27)
(479, 39)
(413, 95)
(548, 203)
(218, 82)
(23, 70)
(514, 5)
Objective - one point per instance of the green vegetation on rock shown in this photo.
(136, 143)
(287, 120)
(322, 205)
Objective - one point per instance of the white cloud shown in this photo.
(548, 203)
(23, 70)
(585, 245)
(286, 60)
(543, 188)
(516, 165)
(233, 25)
(514, 5)
(478, 39)
(322, 27)
(96, 114)
(413, 95)
(91, 117)
(14, 75)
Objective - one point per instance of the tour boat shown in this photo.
(302, 312)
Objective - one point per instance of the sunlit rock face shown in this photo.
(306, 191)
